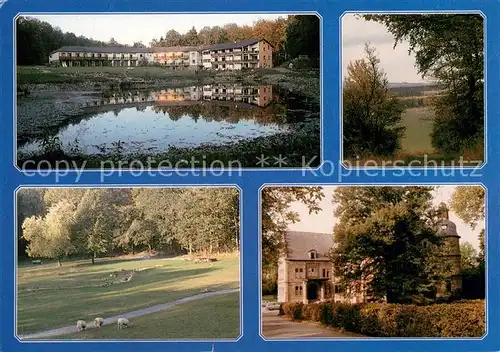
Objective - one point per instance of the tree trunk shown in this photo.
(59, 262)
(93, 257)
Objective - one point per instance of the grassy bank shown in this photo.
(50, 296)
(210, 318)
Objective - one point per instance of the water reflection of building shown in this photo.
(260, 96)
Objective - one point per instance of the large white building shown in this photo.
(254, 53)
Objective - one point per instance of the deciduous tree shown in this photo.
(387, 236)
(371, 115)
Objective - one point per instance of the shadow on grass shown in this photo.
(62, 307)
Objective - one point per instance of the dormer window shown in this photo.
(444, 226)
(313, 254)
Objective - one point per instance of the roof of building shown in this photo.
(233, 45)
(102, 49)
(447, 228)
(169, 49)
(299, 244)
(121, 49)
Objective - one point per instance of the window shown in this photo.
(328, 273)
(313, 254)
(324, 272)
(298, 290)
(193, 61)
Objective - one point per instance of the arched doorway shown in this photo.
(312, 290)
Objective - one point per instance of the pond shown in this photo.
(154, 121)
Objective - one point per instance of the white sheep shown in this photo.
(98, 322)
(122, 323)
(81, 325)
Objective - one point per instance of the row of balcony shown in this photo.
(103, 57)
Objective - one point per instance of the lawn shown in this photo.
(213, 317)
(50, 296)
(45, 74)
(418, 123)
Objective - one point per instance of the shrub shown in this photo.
(458, 319)
(293, 310)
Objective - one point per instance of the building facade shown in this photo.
(177, 58)
(255, 53)
(306, 273)
(248, 54)
(69, 56)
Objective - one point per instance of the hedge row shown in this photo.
(459, 319)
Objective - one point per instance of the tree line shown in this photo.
(290, 36)
(450, 50)
(60, 222)
(386, 233)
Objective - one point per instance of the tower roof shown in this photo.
(447, 228)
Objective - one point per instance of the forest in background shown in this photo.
(291, 36)
(60, 222)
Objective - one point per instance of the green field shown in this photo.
(418, 123)
(49, 296)
(43, 74)
(203, 319)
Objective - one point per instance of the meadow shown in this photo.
(418, 123)
(50, 297)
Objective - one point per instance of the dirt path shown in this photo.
(133, 314)
(274, 326)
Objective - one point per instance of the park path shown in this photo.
(133, 314)
(274, 326)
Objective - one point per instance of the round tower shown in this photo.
(450, 252)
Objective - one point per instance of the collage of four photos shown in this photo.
(103, 92)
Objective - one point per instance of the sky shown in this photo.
(324, 221)
(397, 63)
(127, 29)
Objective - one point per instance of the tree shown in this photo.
(387, 237)
(302, 36)
(450, 49)
(112, 42)
(51, 236)
(191, 37)
(468, 202)
(138, 44)
(276, 217)
(371, 115)
(96, 220)
(172, 38)
(29, 203)
(469, 256)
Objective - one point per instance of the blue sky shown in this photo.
(127, 29)
(397, 63)
(324, 221)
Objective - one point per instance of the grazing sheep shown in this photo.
(122, 323)
(98, 322)
(81, 325)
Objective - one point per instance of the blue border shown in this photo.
(250, 182)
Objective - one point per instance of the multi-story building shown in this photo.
(257, 95)
(68, 56)
(306, 273)
(254, 53)
(178, 57)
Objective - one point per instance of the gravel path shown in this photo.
(133, 314)
(277, 327)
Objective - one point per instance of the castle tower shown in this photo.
(450, 253)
